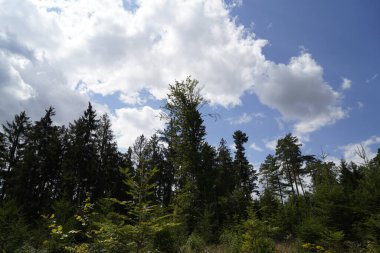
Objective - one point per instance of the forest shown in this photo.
(69, 188)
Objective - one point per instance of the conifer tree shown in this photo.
(245, 174)
(39, 174)
(82, 159)
(271, 176)
(163, 178)
(109, 161)
(289, 155)
(15, 136)
(224, 184)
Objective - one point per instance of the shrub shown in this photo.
(195, 243)
(231, 240)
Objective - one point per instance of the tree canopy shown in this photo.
(70, 189)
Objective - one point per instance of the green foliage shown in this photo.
(289, 156)
(179, 193)
(136, 228)
(256, 236)
(165, 241)
(70, 234)
(194, 243)
(13, 229)
(313, 231)
(231, 240)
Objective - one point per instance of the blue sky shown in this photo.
(344, 38)
(266, 67)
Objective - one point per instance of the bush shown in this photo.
(231, 241)
(256, 237)
(195, 243)
(312, 231)
(164, 241)
(13, 229)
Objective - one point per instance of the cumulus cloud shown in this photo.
(354, 151)
(346, 84)
(129, 123)
(28, 79)
(156, 43)
(58, 52)
(298, 91)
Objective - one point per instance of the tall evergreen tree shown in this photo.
(39, 174)
(82, 159)
(185, 134)
(224, 185)
(109, 161)
(246, 176)
(15, 139)
(163, 177)
(288, 153)
(271, 176)
(225, 181)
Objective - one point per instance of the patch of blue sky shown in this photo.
(115, 102)
(343, 38)
(112, 100)
(259, 129)
(54, 9)
(130, 5)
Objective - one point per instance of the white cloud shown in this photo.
(154, 45)
(271, 144)
(28, 79)
(346, 84)
(300, 93)
(360, 104)
(372, 78)
(129, 123)
(53, 45)
(351, 151)
(245, 118)
(254, 146)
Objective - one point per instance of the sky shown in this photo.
(266, 67)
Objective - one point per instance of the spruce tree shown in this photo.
(246, 176)
(15, 135)
(39, 174)
(109, 161)
(82, 158)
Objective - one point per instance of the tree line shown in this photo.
(70, 189)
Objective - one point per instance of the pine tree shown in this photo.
(289, 155)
